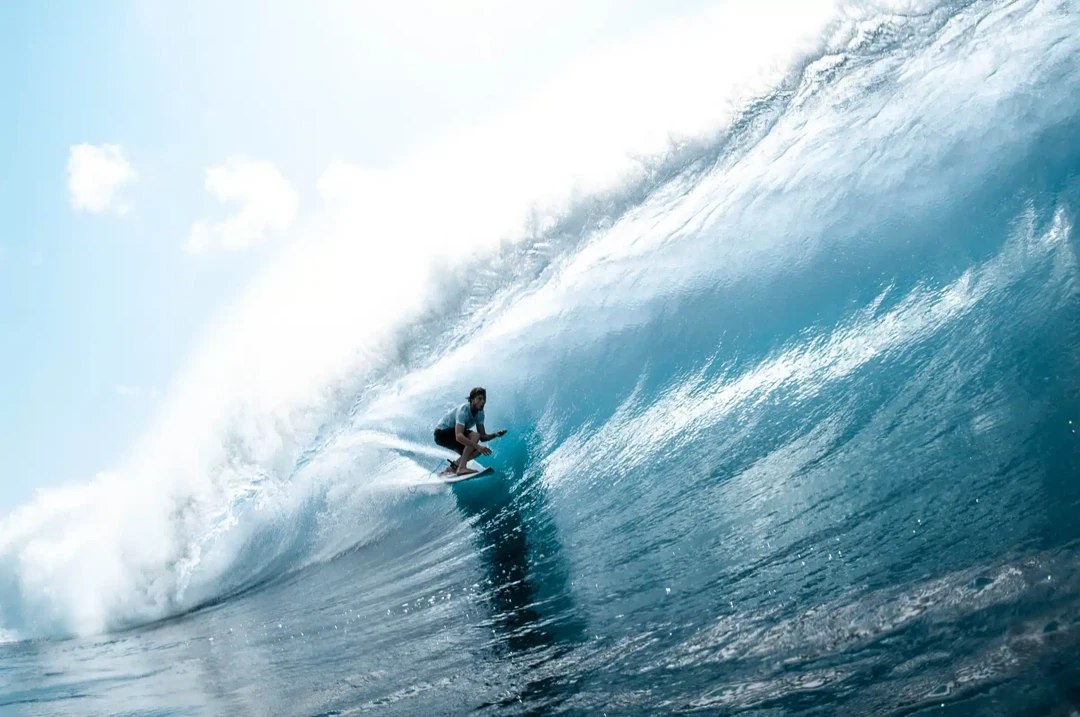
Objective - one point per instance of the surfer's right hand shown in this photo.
(485, 451)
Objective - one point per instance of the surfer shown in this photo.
(453, 431)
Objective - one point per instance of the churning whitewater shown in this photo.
(787, 338)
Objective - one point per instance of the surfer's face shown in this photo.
(477, 404)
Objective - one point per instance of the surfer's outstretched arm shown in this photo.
(485, 436)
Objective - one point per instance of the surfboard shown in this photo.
(449, 476)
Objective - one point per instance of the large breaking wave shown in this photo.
(787, 260)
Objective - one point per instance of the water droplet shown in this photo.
(667, 591)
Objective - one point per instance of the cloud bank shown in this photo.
(268, 203)
(95, 176)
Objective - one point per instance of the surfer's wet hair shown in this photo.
(478, 391)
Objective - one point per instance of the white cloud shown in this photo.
(95, 174)
(267, 203)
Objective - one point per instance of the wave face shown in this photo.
(792, 413)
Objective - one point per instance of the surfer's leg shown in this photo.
(460, 449)
(463, 462)
(445, 438)
(467, 454)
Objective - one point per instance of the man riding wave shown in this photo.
(454, 431)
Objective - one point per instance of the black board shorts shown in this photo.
(447, 438)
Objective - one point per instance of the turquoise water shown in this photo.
(792, 431)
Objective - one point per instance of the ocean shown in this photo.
(792, 427)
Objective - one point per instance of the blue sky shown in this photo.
(101, 296)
